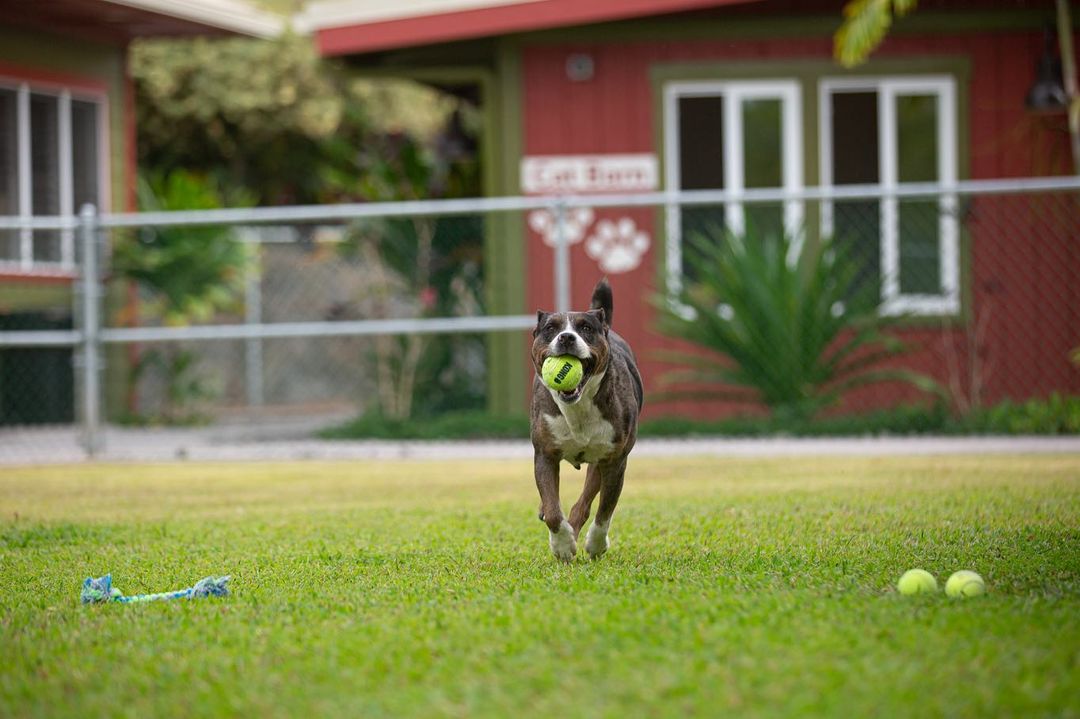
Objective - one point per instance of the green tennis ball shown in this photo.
(562, 373)
(917, 581)
(965, 583)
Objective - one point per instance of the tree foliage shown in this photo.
(268, 114)
(865, 24)
(273, 117)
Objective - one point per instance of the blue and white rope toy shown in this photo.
(101, 590)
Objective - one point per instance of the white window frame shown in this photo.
(26, 264)
(734, 92)
(888, 89)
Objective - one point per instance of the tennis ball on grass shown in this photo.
(917, 581)
(562, 373)
(965, 583)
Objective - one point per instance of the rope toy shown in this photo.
(101, 590)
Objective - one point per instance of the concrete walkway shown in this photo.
(61, 445)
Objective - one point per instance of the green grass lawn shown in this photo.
(756, 587)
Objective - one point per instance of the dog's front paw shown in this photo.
(562, 543)
(596, 541)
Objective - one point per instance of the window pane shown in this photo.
(855, 138)
(763, 162)
(920, 269)
(764, 219)
(857, 223)
(916, 129)
(45, 172)
(856, 227)
(9, 177)
(700, 222)
(85, 157)
(763, 144)
(701, 167)
(701, 143)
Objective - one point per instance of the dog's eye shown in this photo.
(586, 330)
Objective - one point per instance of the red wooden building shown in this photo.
(601, 95)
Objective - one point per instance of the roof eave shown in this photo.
(231, 16)
(337, 35)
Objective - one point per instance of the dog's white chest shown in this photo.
(581, 432)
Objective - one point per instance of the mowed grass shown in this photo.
(750, 587)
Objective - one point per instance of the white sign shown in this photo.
(571, 174)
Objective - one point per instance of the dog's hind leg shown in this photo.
(580, 511)
(611, 482)
(562, 540)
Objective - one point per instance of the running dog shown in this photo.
(594, 424)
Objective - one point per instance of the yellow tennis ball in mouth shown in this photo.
(562, 373)
(917, 581)
(965, 583)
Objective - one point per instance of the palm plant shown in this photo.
(786, 324)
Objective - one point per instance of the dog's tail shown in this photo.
(602, 299)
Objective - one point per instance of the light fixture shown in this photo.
(580, 67)
(1048, 92)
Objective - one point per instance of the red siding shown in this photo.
(1011, 265)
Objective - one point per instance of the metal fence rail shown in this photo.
(91, 336)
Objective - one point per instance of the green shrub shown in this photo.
(903, 420)
(786, 325)
(1056, 414)
(452, 425)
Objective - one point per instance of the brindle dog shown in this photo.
(594, 424)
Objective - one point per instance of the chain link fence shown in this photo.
(983, 288)
(337, 311)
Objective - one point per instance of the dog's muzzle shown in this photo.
(588, 365)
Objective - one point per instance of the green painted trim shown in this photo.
(505, 251)
(478, 52)
(28, 296)
(757, 28)
(808, 74)
(442, 74)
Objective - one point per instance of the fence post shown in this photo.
(253, 346)
(90, 340)
(562, 258)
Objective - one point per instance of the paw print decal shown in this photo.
(617, 246)
(577, 223)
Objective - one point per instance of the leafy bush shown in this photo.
(187, 274)
(453, 425)
(903, 420)
(190, 272)
(787, 325)
(1056, 414)
(270, 115)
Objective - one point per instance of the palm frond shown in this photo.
(865, 25)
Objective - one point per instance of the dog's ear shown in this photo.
(601, 315)
(541, 318)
